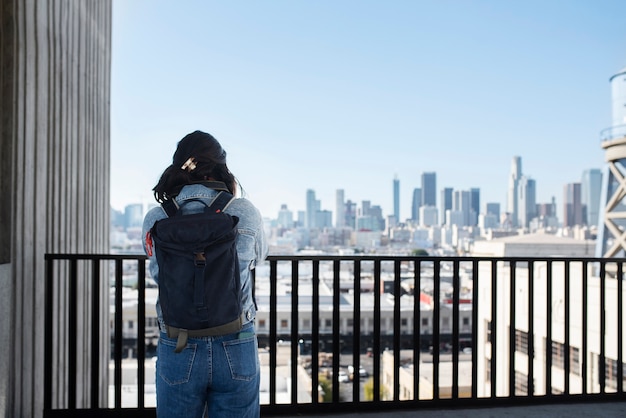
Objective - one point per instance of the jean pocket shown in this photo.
(243, 358)
(174, 368)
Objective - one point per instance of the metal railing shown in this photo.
(612, 133)
(541, 330)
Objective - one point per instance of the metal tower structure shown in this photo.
(611, 240)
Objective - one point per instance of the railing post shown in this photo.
(49, 290)
(512, 327)
(494, 327)
(96, 322)
(72, 334)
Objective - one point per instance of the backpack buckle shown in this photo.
(199, 259)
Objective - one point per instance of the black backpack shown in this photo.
(199, 284)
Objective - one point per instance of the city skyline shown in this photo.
(579, 208)
(382, 91)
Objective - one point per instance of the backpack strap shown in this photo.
(170, 207)
(221, 201)
(182, 335)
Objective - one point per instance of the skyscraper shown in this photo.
(590, 188)
(493, 209)
(429, 189)
(350, 214)
(396, 198)
(133, 215)
(446, 203)
(461, 202)
(512, 195)
(526, 201)
(340, 209)
(415, 204)
(285, 217)
(572, 205)
(312, 207)
(474, 205)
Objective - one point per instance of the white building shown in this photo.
(553, 279)
(534, 245)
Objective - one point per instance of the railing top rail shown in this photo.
(78, 256)
(334, 257)
(437, 258)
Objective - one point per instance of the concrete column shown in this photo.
(54, 175)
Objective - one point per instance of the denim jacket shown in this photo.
(251, 243)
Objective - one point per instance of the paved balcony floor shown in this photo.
(578, 410)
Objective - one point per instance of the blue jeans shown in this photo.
(217, 377)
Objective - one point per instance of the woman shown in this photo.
(218, 376)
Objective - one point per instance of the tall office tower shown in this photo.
(312, 207)
(446, 203)
(301, 219)
(323, 219)
(396, 198)
(133, 215)
(285, 217)
(474, 205)
(590, 187)
(376, 212)
(415, 204)
(512, 195)
(526, 201)
(371, 218)
(611, 241)
(340, 209)
(546, 210)
(349, 214)
(461, 202)
(365, 207)
(493, 209)
(572, 205)
(429, 189)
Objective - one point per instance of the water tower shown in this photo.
(612, 225)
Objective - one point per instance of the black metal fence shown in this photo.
(427, 332)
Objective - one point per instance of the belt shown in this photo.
(182, 334)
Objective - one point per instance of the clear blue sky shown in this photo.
(348, 94)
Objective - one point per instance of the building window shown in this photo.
(521, 384)
(445, 322)
(574, 360)
(329, 323)
(610, 370)
(284, 324)
(262, 323)
(306, 324)
(521, 341)
(425, 322)
(404, 322)
(558, 355)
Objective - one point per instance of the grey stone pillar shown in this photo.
(54, 172)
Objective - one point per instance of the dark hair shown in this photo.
(198, 157)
